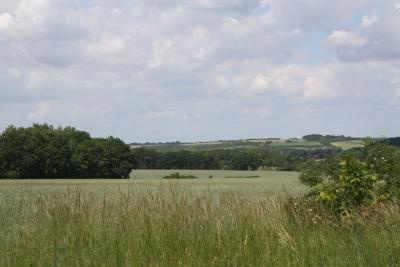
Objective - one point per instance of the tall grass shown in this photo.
(167, 227)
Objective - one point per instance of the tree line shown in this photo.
(42, 151)
(227, 159)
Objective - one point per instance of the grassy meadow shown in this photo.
(270, 182)
(147, 221)
(346, 145)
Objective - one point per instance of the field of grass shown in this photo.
(146, 221)
(346, 145)
(270, 182)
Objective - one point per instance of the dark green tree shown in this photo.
(42, 151)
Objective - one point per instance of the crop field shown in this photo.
(148, 221)
(346, 145)
(271, 182)
(300, 144)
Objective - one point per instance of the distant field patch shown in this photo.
(297, 144)
(346, 145)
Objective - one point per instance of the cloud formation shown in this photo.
(196, 70)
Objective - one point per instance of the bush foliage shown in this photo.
(346, 182)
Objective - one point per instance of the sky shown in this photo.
(197, 70)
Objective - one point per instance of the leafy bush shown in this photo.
(384, 161)
(350, 182)
(310, 177)
(311, 173)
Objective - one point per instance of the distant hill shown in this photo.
(309, 142)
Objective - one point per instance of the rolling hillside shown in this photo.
(292, 143)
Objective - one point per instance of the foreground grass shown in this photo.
(169, 227)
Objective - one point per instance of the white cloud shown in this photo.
(198, 67)
(258, 112)
(165, 114)
(345, 38)
(14, 73)
(368, 21)
(397, 6)
(260, 83)
(292, 80)
(160, 52)
(317, 88)
(108, 45)
(41, 112)
(312, 15)
(31, 15)
(7, 24)
(378, 36)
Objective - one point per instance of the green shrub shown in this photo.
(350, 182)
(311, 173)
(331, 167)
(311, 177)
(354, 188)
(384, 161)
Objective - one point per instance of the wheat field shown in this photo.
(141, 222)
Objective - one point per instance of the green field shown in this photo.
(268, 182)
(148, 221)
(298, 144)
(272, 182)
(346, 145)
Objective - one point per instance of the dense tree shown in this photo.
(41, 151)
(232, 159)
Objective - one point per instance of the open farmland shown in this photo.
(268, 182)
(235, 144)
(198, 222)
(117, 223)
(291, 143)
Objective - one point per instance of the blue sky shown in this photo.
(186, 70)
